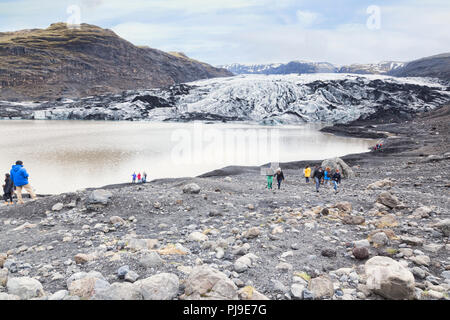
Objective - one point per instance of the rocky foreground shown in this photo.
(224, 236)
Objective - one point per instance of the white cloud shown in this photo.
(306, 18)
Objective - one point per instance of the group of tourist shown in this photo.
(15, 181)
(139, 178)
(320, 176)
(279, 175)
(323, 177)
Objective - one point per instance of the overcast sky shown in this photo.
(258, 31)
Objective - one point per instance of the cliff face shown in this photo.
(43, 64)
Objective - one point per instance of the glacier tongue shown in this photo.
(310, 98)
(337, 98)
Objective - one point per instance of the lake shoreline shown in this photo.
(396, 207)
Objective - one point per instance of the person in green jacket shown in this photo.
(269, 181)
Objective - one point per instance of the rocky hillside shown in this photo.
(437, 66)
(41, 64)
(333, 98)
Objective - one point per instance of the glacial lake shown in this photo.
(64, 156)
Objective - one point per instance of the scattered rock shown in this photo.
(389, 278)
(252, 233)
(99, 196)
(380, 184)
(343, 206)
(151, 260)
(354, 220)
(163, 286)
(443, 226)
(58, 206)
(198, 236)
(388, 199)
(361, 253)
(328, 253)
(205, 282)
(191, 188)
(321, 287)
(26, 288)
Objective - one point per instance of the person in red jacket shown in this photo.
(139, 177)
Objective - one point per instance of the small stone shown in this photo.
(328, 253)
(353, 220)
(82, 258)
(122, 271)
(297, 291)
(58, 206)
(116, 220)
(198, 236)
(131, 276)
(421, 260)
(361, 253)
(252, 233)
(151, 259)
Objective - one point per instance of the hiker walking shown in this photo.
(280, 177)
(19, 177)
(8, 189)
(318, 175)
(269, 181)
(134, 177)
(307, 172)
(336, 179)
(144, 177)
(327, 176)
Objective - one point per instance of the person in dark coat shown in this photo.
(280, 177)
(318, 175)
(336, 179)
(8, 189)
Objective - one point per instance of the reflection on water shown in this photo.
(64, 156)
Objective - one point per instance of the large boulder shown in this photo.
(443, 226)
(206, 283)
(321, 287)
(389, 279)
(25, 288)
(119, 291)
(99, 196)
(338, 163)
(381, 184)
(388, 199)
(191, 188)
(86, 285)
(163, 286)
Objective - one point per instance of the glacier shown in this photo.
(265, 99)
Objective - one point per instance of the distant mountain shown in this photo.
(384, 67)
(437, 66)
(56, 62)
(301, 67)
(281, 68)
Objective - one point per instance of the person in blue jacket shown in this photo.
(327, 176)
(19, 176)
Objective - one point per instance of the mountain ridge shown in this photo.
(437, 66)
(74, 62)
